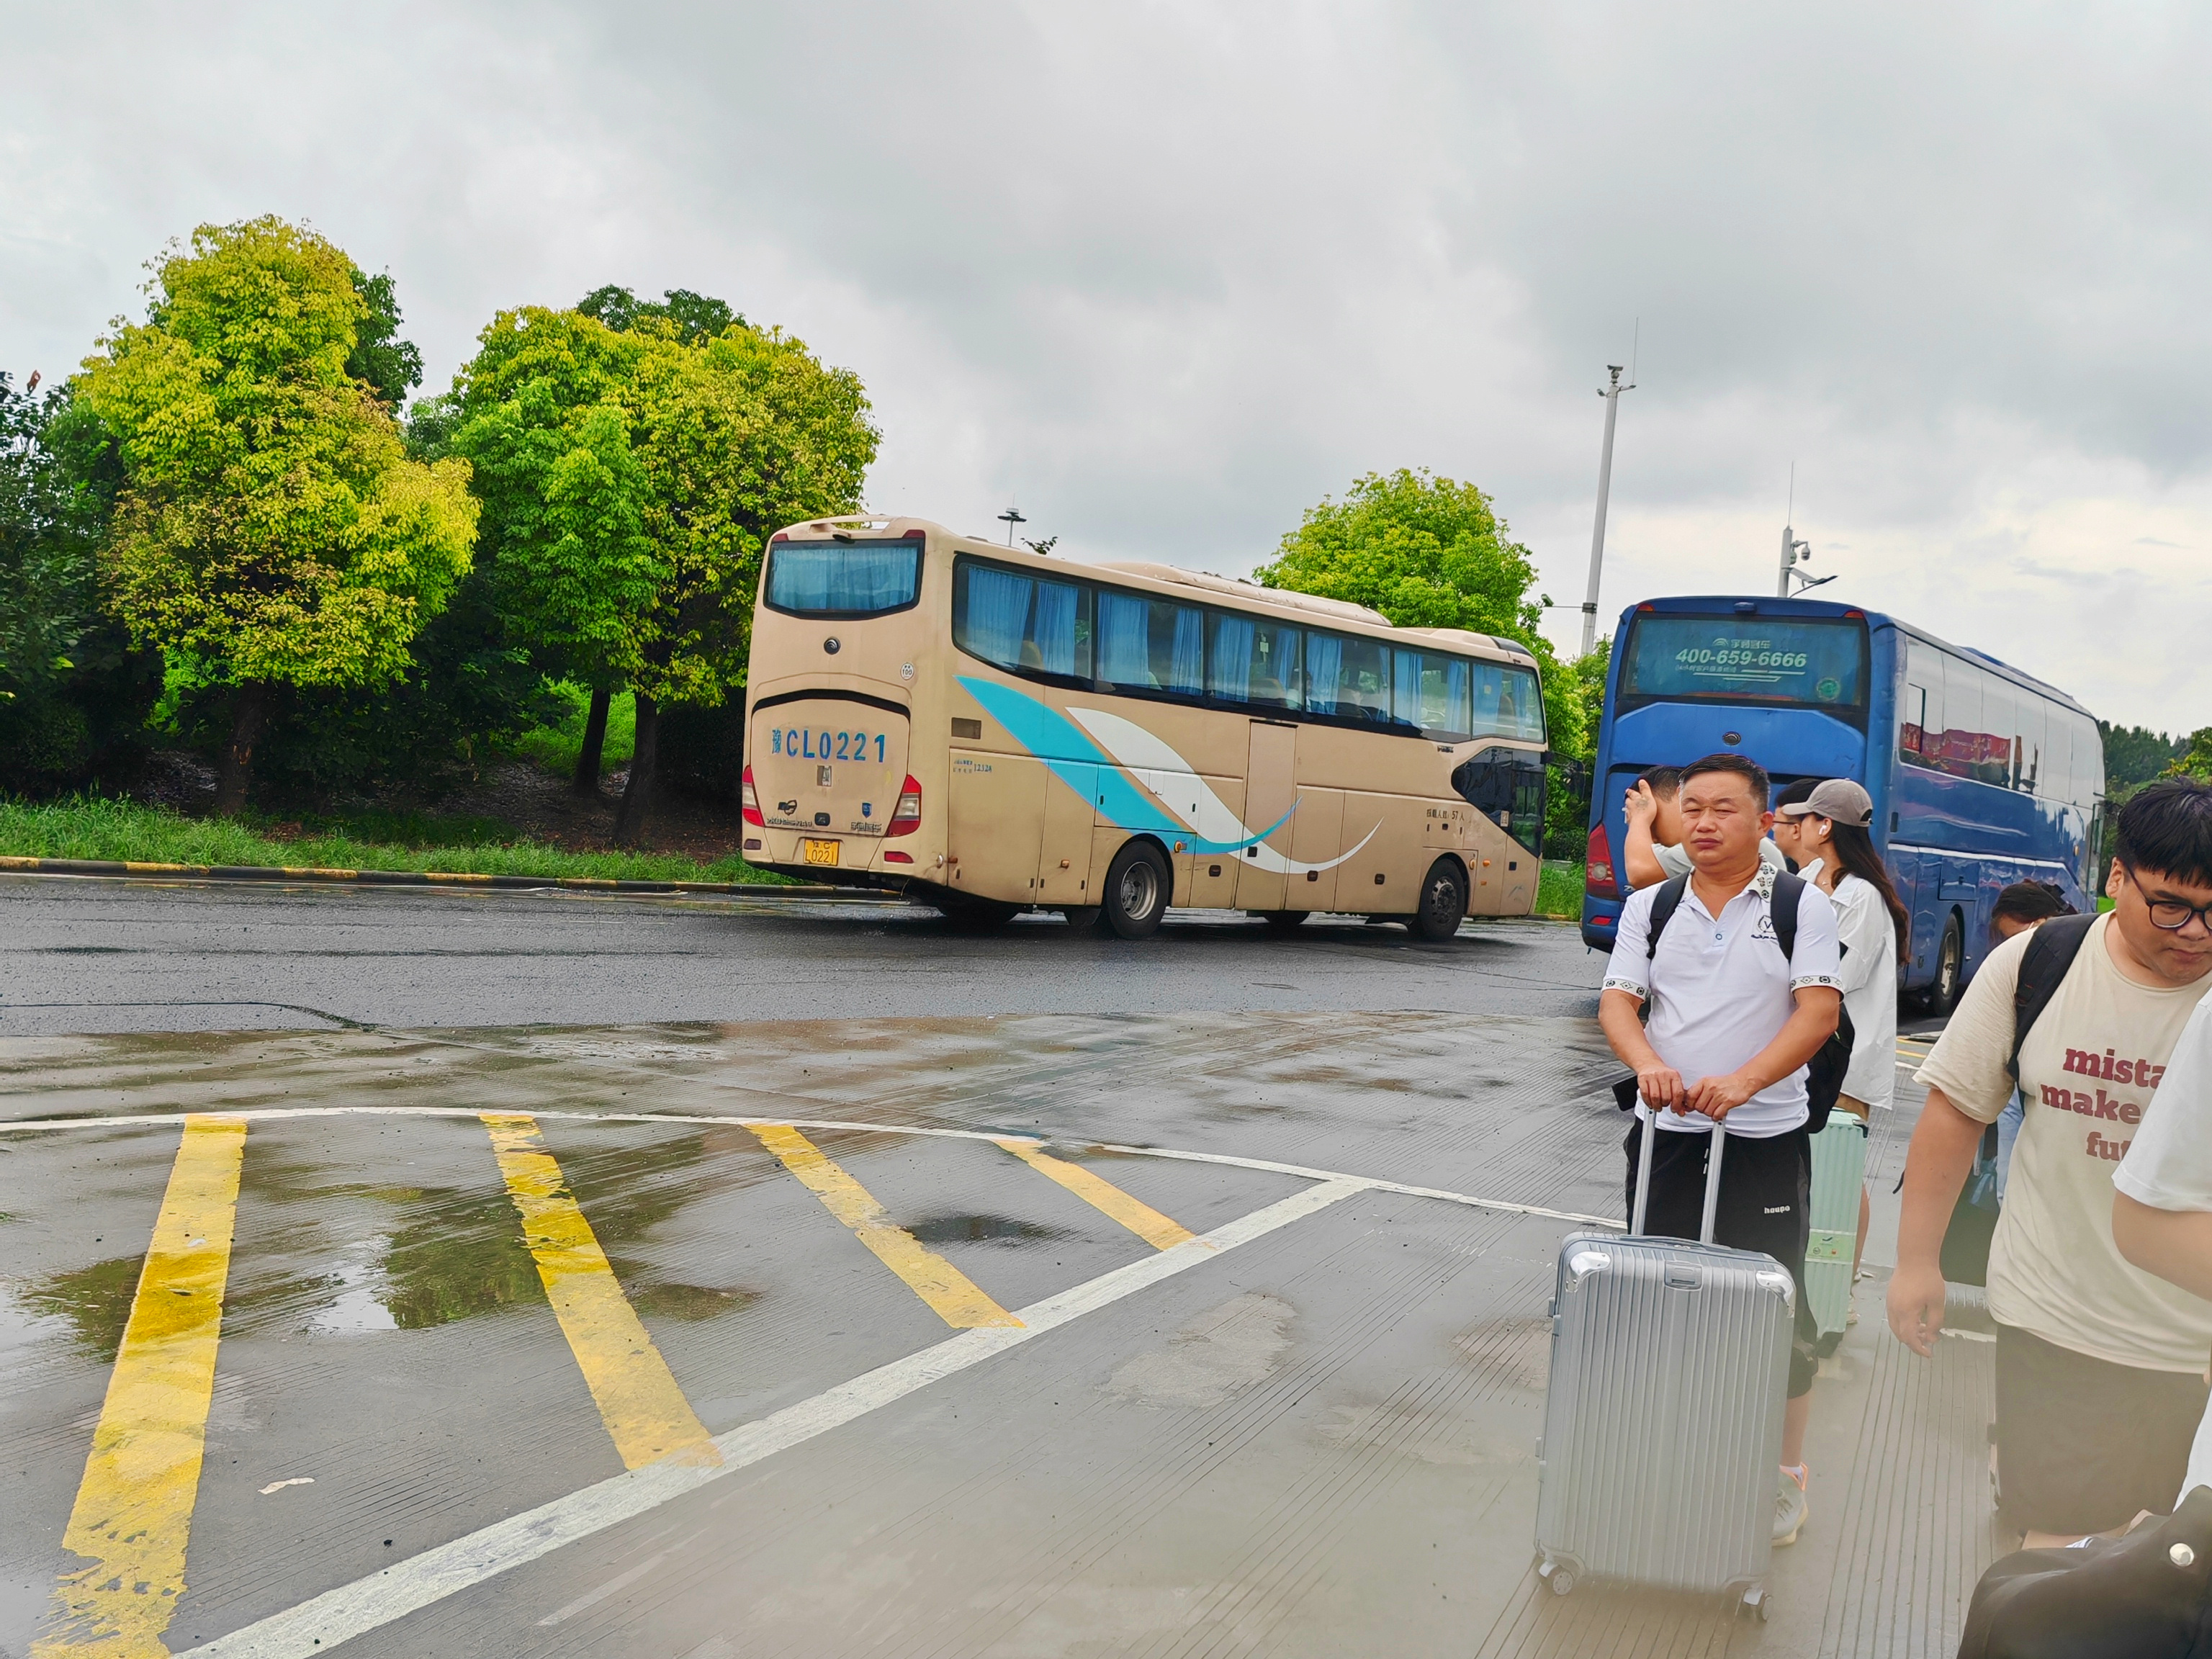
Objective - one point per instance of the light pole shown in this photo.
(1794, 553)
(1612, 396)
(1009, 518)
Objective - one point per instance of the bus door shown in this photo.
(1270, 791)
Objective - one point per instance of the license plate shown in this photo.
(821, 851)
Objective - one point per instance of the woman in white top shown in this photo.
(1828, 834)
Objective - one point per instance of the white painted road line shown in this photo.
(317, 1625)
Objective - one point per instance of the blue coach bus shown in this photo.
(1981, 775)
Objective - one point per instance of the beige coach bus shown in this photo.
(991, 731)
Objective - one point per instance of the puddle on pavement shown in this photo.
(94, 1300)
(689, 1302)
(980, 1230)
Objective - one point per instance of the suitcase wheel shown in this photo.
(1563, 1581)
(1758, 1604)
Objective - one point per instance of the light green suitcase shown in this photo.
(1839, 1153)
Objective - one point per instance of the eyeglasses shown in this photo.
(2171, 915)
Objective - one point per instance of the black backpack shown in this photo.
(2049, 958)
(1824, 1073)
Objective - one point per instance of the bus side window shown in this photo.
(1019, 622)
(1252, 662)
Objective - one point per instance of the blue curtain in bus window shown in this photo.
(1523, 703)
(1053, 635)
(1456, 714)
(1324, 671)
(1489, 698)
(1275, 682)
(1228, 664)
(1363, 690)
(1187, 659)
(1124, 640)
(997, 614)
(1406, 686)
(833, 576)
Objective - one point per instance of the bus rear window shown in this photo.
(843, 579)
(1807, 661)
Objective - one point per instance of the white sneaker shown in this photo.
(1789, 1506)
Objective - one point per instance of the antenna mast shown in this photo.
(1612, 396)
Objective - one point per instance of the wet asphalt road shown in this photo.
(498, 1319)
(104, 956)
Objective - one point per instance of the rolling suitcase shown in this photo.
(1662, 1419)
(1840, 1155)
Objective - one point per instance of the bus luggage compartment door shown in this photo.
(828, 770)
(1270, 791)
(996, 825)
(1064, 859)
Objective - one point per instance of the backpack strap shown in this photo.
(2049, 958)
(1663, 906)
(1782, 906)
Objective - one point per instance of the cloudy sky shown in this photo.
(1167, 275)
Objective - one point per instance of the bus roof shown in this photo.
(1165, 579)
(1771, 605)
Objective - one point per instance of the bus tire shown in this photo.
(1138, 884)
(1950, 967)
(1443, 903)
(1285, 921)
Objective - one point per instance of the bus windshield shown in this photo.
(843, 579)
(1815, 662)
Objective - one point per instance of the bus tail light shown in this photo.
(1597, 877)
(749, 801)
(906, 817)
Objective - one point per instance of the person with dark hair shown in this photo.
(2021, 907)
(2099, 1364)
(1835, 851)
(1651, 852)
(1735, 1015)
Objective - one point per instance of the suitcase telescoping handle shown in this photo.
(1643, 1176)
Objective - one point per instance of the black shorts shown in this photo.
(1767, 1188)
(2084, 1445)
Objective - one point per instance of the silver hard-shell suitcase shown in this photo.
(1662, 1419)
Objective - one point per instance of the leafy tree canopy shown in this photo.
(269, 527)
(49, 525)
(695, 316)
(387, 365)
(630, 480)
(2135, 754)
(269, 524)
(1429, 552)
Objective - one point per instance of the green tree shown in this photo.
(271, 529)
(389, 366)
(1428, 552)
(630, 478)
(697, 318)
(2133, 755)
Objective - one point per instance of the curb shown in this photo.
(110, 867)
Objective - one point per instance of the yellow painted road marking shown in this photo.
(134, 1509)
(643, 1409)
(1103, 1196)
(951, 1294)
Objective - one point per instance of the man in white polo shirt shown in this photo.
(1733, 1021)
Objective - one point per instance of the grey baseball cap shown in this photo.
(1837, 799)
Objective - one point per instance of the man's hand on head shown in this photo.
(1640, 805)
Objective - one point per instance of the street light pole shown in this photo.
(1612, 396)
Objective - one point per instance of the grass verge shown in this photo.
(96, 829)
(1559, 890)
(556, 747)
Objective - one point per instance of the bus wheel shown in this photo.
(1285, 921)
(1950, 961)
(1443, 903)
(1136, 890)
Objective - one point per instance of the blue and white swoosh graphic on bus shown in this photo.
(1128, 753)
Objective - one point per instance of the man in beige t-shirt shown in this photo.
(2101, 1365)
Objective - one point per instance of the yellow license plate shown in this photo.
(821, 851)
